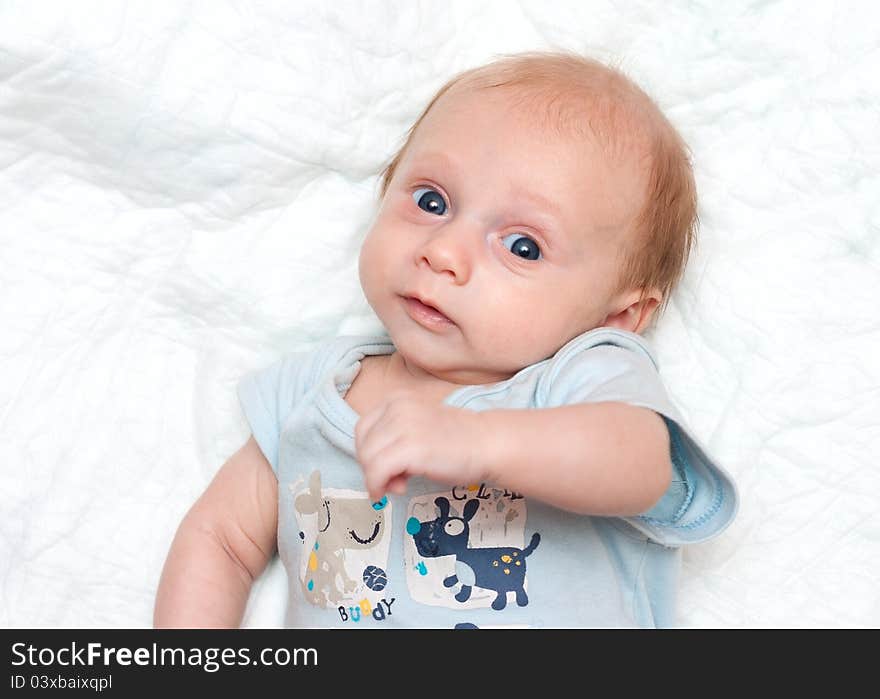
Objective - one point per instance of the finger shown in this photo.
(388, 464)
(381, 435)
(365, 424)
(397, 484)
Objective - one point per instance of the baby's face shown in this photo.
(511, 229)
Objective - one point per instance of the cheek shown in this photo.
(369, 264)
(381, 255)
(525, 325)
(515, 319)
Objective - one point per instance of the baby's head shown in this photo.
(535, 198)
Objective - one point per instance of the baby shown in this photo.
(507, 454)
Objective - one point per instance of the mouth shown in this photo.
(369, 539)
(426, 314)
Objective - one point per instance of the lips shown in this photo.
(424, 312)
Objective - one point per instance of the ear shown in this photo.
(633, 310)
(315, 483)
(307, 503)
(443, 504)
(470, 509)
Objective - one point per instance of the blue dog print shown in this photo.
(500, 569)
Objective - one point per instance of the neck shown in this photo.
(418, 378)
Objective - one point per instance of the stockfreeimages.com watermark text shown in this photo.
(155, 655)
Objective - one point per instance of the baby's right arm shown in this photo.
(222, 545)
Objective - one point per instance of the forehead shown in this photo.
(516, 143)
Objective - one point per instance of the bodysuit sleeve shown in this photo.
(611, 365)
(269, 395)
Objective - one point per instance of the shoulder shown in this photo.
(597, 359)
(344, 351)
(296, 372)
(601, 342)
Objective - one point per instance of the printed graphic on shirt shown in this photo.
(465, 548)
(345, 550)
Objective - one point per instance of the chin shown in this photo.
(416, 345)
(425, 352)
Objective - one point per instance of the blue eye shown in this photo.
(522, 246)
(429, 200)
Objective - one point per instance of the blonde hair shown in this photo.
(587, 96)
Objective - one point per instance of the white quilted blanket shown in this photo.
(183, 190)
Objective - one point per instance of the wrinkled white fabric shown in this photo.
(183, 191)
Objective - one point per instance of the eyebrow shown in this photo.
(547, 207)
(435, 158)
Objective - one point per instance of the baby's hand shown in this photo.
(410, 436)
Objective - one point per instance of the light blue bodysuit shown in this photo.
(473, 554)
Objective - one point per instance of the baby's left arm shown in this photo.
(604, 458)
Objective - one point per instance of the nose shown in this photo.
(413, 526)
(448, 252)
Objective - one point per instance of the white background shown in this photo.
(183, 190)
